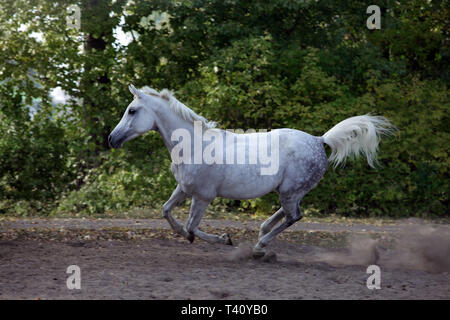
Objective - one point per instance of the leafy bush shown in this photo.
(33, 156)
(414, 164)
(128, 178)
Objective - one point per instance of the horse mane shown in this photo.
(179, 108)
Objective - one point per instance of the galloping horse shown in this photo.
(299, 159)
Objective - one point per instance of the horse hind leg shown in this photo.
(290, 203)
(292, 213)
(268, 225)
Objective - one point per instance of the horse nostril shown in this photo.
(109, 140)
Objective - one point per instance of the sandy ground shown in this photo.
(156, 264)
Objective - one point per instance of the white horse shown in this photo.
(301, 160)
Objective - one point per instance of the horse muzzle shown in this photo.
(113, 142)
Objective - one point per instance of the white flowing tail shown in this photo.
(355, 136)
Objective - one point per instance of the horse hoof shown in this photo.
(226, 239)
(190, 237)
(258, 254)
(269, 257)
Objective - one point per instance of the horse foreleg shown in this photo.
(177, 196)
(212, 238)
(198, 207)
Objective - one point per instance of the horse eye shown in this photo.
(132, 111)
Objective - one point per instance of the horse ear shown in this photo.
(135, 92)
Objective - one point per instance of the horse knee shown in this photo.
(165, 212)
(166, 209)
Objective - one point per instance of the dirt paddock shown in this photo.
(166, 267)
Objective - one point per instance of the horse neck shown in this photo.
(167, 122)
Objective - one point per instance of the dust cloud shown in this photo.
(243, 252)
(417, 247)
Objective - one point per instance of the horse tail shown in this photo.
(355, 136)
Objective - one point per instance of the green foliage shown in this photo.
(237, 88)
(246, 64)
(413, 177)
(33, 156)
(136, 176)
